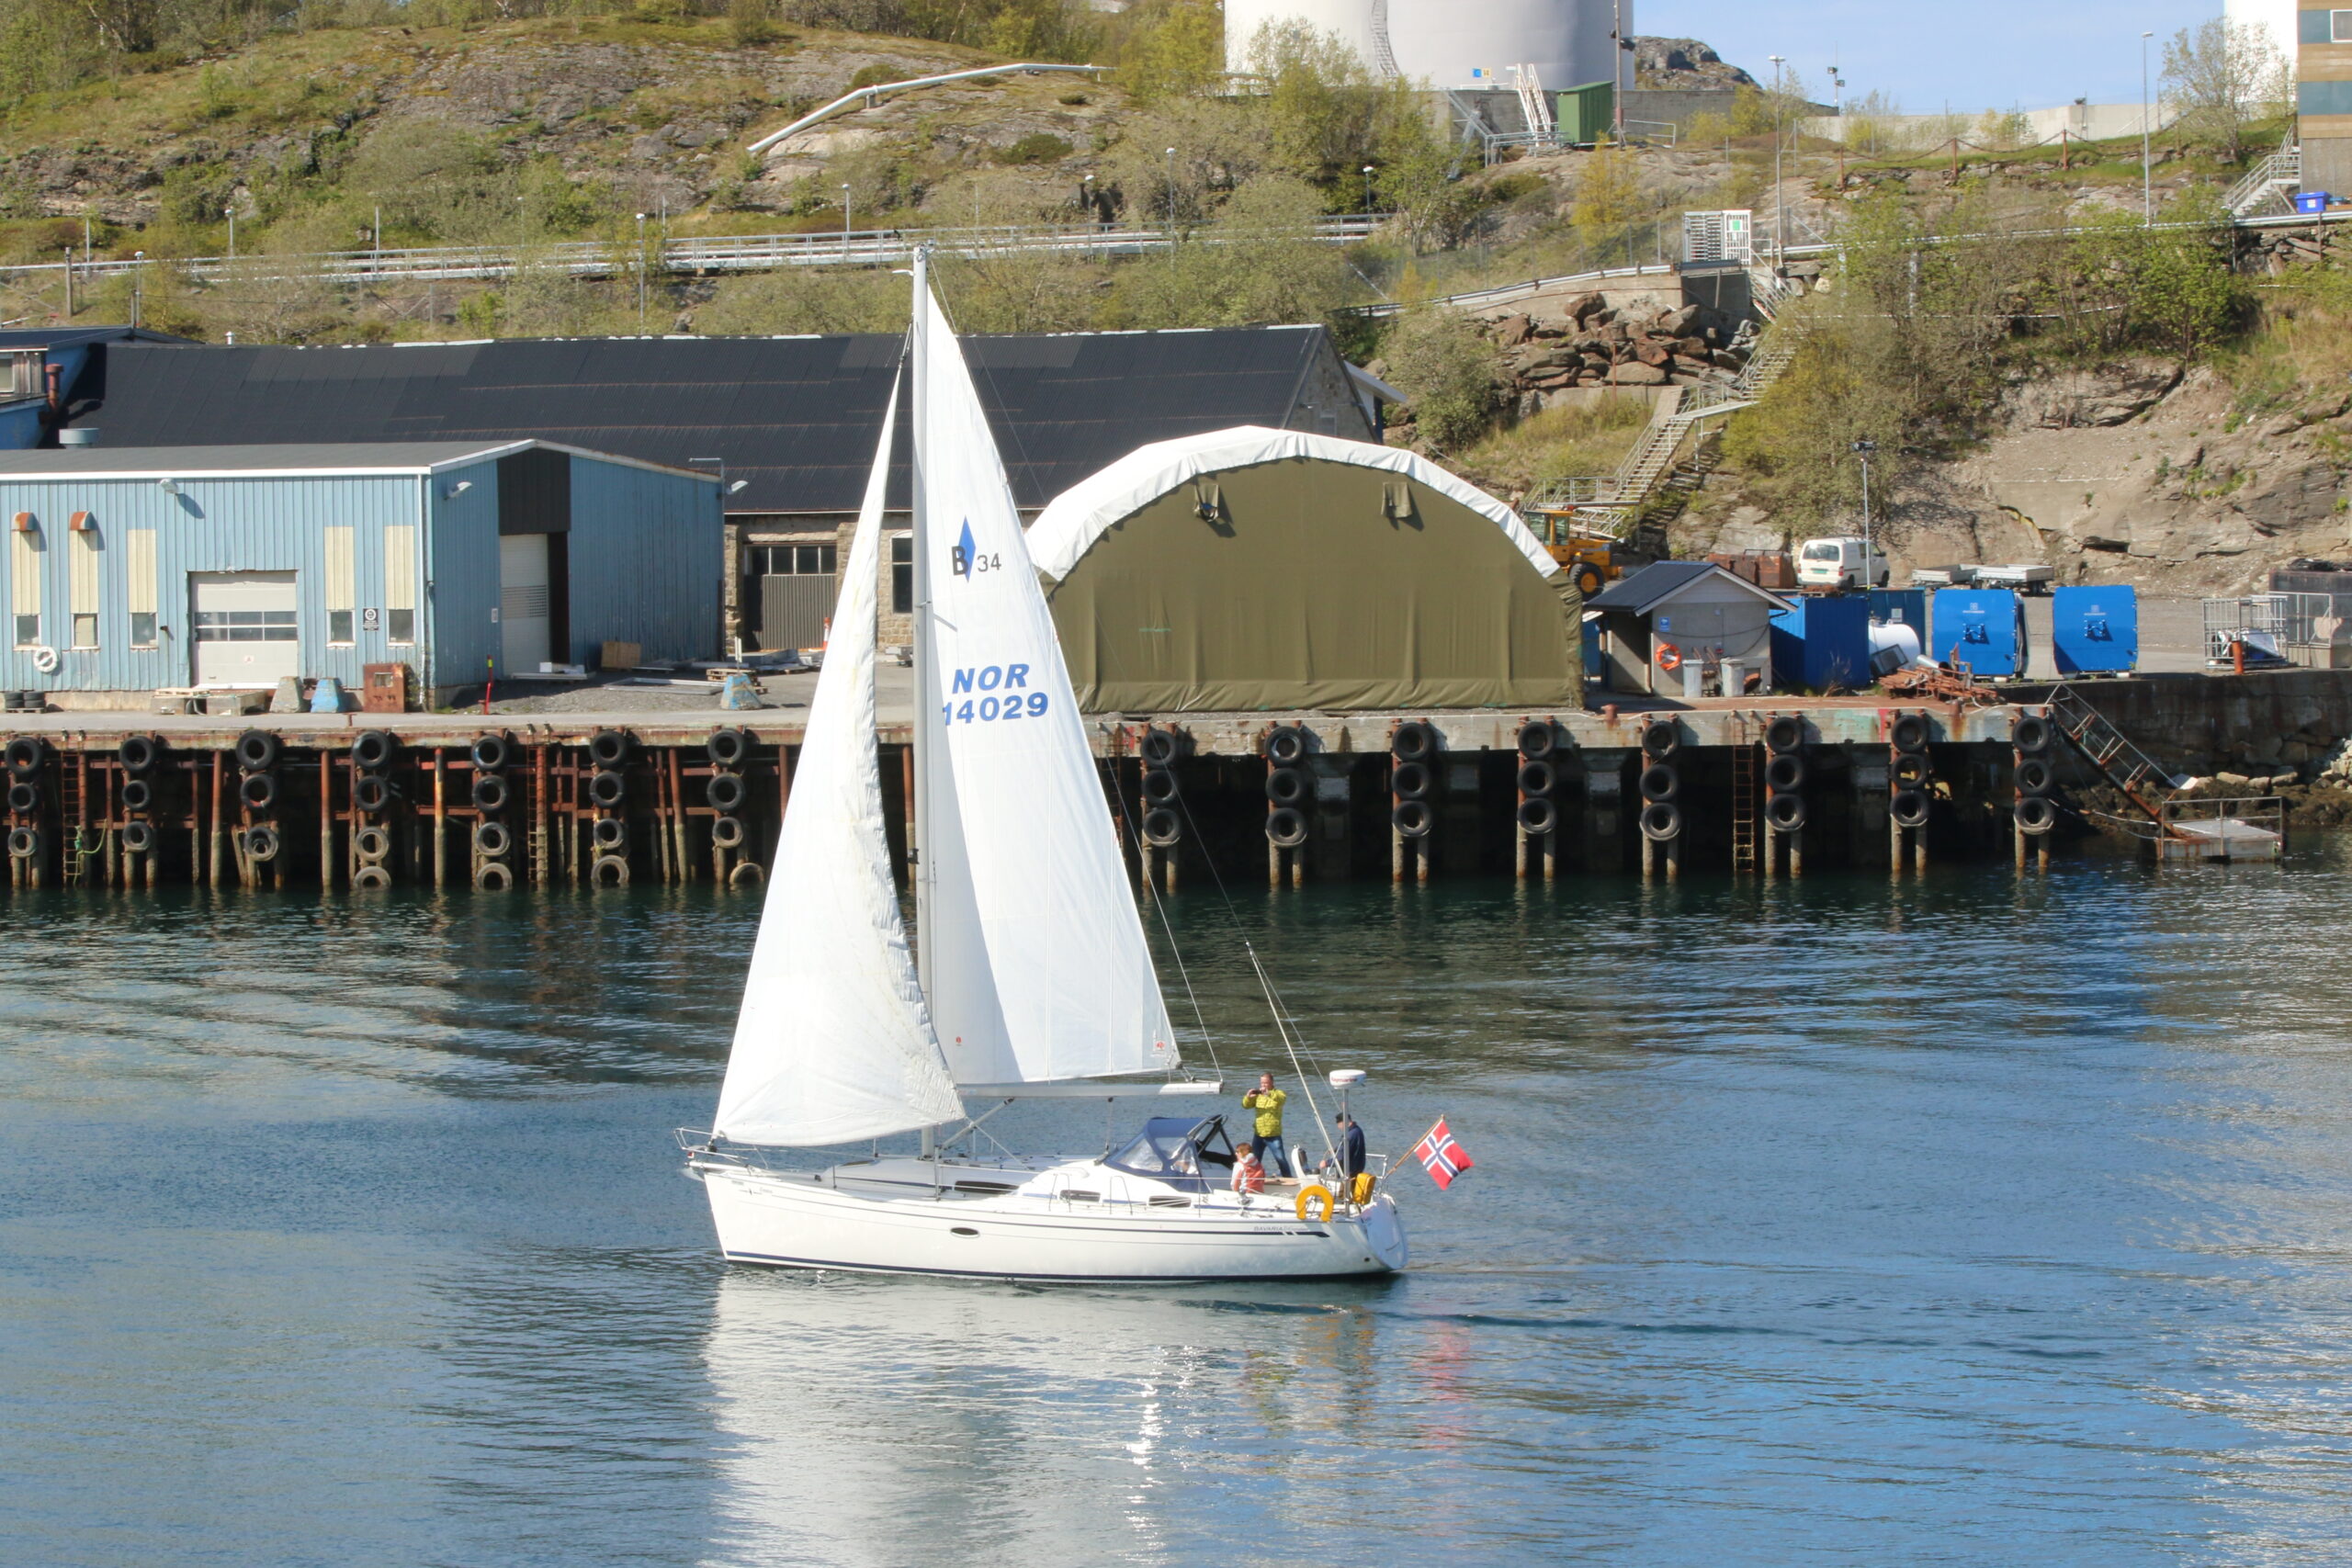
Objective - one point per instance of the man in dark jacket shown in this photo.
(1351, 1147)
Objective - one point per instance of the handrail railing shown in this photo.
(716, 252)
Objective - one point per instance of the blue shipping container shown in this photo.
(1983, 628)
(1822, 641)
(1901, 606)
(2095, 631)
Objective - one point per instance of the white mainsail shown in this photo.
(833, 1042)
(1034, 954)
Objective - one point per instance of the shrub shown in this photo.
(1039, 147)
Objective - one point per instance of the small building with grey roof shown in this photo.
(131, 569)
(1676, 616)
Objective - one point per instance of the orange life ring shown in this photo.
(1668, 656)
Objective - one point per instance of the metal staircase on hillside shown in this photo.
(1649, 473)
(2269, 186)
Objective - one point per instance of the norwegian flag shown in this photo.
(1439, 1155)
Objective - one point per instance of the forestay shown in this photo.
(833, 1041)
(1035, 954)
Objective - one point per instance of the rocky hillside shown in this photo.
(652, 115)
(2139, 473)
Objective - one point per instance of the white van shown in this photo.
(1840, 563)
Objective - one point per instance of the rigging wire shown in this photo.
(1274, 1002)
(1129, 833)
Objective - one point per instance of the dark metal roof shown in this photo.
(1661, 581)
(73, 337)
(795, 417)
(217, 462)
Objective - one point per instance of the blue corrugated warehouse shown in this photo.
(134, 570)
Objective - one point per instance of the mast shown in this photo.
(927, 700)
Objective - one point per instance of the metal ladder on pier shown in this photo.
(2105, 748)
(1743, 808)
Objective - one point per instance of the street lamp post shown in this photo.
(1779, 205)
(1864, 450)
(640, 272)
(845, 205)
(1172, 193)
(2147, 167)
(138, 285)
(1367, 188)
(232, 233)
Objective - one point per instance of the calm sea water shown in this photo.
(1965, 1221)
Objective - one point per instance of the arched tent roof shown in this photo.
(1256, 569)
(1075, 519)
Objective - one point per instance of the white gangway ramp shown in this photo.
(1033, 952)
(833, 1042)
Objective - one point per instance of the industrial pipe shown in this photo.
(865, 97)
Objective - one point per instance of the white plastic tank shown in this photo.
(1893, 646)
(2275, 19)
(1452, 44)
(1449, 44)
(1351, 20)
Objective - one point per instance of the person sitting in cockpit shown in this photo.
(1248, 1176)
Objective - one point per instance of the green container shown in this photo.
(1587, 114)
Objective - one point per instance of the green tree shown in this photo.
(1326, 116)
(1438, 357)
(1174, 48)
(1607, 198)
(2222, 79)
(1260, 262)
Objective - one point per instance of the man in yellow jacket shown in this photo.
(1267, 1101)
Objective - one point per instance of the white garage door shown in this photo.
(245, 633)
(522, 600)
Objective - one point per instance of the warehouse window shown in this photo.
(903, 574)
(2324, 97)
(82, 581)
(2340, 26)
(140, 586)
(794, 561)
(400, 584)
(342, 584)
(24, 583)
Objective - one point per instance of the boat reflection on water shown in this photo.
(887, 1421)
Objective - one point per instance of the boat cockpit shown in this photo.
(1190, 1156)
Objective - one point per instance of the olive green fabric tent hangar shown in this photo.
(1257, 570)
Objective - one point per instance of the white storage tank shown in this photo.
(1448, 43)
(2274, 18)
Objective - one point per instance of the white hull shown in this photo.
(889, 1217)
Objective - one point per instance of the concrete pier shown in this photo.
(1773, 787)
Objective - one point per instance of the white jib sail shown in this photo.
(833, 1042)
(1034, 954)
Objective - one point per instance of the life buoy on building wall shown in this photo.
(1668, 656)
(45, 660)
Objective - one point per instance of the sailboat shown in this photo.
(1032, 978)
